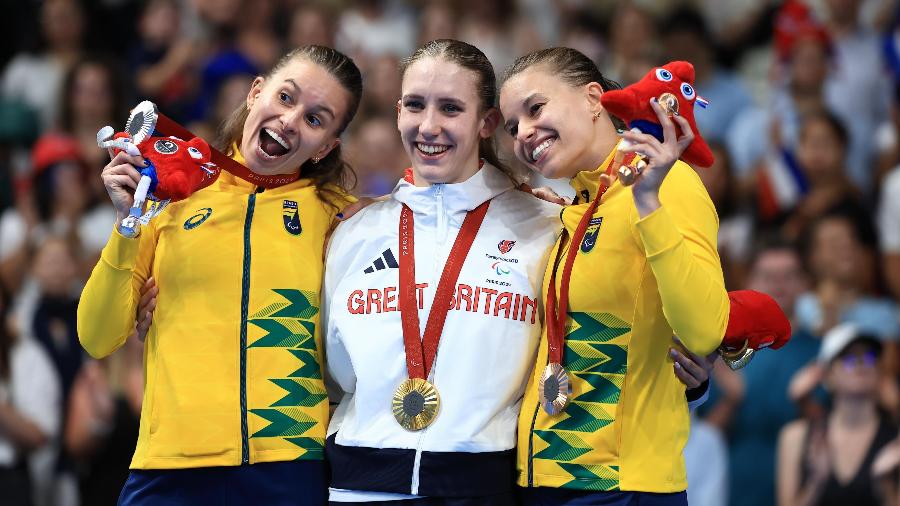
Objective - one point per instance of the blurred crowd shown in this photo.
(804, 122)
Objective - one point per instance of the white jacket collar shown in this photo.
(484, 185)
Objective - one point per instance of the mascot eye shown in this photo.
(687, 90)
(195, 153)
(663, 75)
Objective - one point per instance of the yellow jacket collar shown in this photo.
(587, 182)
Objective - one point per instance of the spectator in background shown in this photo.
(377, 155)
(829, 462)
(632, 45)
(92, 97)
(858, 90)
(35, 79)
(437, 20)
(53, 326)
(735, 222)
(311, 24)
(103, 419)
(889, 211)
(800, 70)
(52, 202)
(30, 407)
(685, 36)
(820, 155)
(706, 459)
(843, 263)
(162, 58)
(232, 92)
(382, 88)
(753, 420)
(371, 28)
(489, 26)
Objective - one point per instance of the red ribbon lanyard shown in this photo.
(167, 126)
(420, 353)
(556, 317)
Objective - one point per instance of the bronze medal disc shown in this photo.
(415, 404)
(554, 389)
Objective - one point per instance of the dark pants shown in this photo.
(488, 500)
(15, 485)
(299, 483)
(542, 496)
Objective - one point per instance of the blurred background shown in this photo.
(804, 121)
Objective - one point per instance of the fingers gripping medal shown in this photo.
(554, 387)
(416, 401)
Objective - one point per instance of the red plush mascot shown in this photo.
(755, 320)
(673, 86)
(175, 170)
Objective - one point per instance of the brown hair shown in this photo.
(331, 170)
(471, 58)
(571, 65)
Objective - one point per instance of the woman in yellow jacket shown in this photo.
(604, 420)
(234, 404)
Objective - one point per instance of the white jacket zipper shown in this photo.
(441, 238)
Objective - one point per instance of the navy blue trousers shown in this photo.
(298, 483)
(542, 496)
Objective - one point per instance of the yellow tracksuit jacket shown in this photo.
(233, 359)
(634, 284)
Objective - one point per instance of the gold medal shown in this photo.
(554, 389)
(415, 404)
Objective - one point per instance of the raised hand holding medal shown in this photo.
(416, 401)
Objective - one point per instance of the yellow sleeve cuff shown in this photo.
(120, 252)
(658, 233)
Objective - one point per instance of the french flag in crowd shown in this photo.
(781, 184)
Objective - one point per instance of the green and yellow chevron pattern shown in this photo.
(290, 325)
(596, 361)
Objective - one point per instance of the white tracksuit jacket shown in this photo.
(486, 350)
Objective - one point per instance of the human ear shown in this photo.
(489, 123)
(255, 89)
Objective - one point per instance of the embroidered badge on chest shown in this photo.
(505, 246)
(590, 236)
(198, 218)
(291, 216)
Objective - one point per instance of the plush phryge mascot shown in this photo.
(175, 170)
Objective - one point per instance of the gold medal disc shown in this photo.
(415, 404)
(554, 389)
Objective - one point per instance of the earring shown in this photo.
(315, 159)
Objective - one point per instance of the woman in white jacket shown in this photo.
(448, 437)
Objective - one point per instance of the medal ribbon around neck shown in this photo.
(416, 401)
(554, 383)
(168, 126)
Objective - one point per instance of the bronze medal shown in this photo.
(415, 404)
(554, 389)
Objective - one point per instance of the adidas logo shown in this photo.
(385, 261)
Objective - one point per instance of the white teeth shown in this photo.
(431, 149)
(540, 149)
(277, 138)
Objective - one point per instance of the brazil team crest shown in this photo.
(291, 217)
(590, 236)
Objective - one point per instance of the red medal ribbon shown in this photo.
(420, 353)
(167, 126)
(556, 316)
